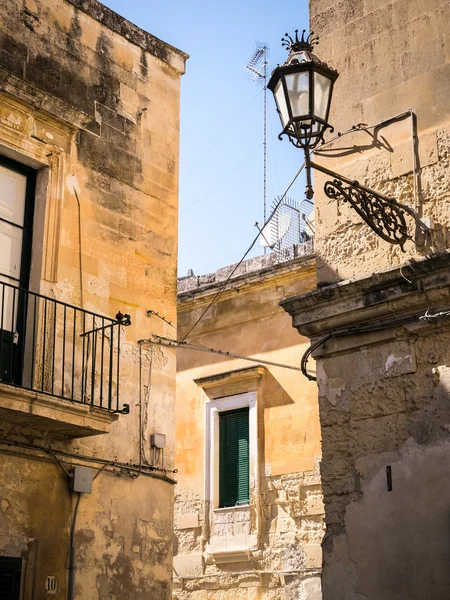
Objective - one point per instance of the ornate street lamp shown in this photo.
(302, 88)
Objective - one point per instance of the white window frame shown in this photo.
(212, 410)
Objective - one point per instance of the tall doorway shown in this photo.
(17, 190)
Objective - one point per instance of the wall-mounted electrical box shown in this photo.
(158, 440)
(82, 480)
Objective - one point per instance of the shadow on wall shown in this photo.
(274, 393)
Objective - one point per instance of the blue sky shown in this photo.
(221, 153)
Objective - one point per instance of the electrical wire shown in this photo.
(365, 328)
(149, 390)
(307, 354)
(109, 465)
(255, 571)
(141, 442)
(223, 134)
(236, 267)
(72, 552)
(222, 180)
(153, 312)
(358, 127)
(170, 343)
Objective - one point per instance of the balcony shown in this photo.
(59, 365)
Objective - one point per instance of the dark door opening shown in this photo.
(17, 189)
(10, 578)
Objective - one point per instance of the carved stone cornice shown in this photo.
(401, 292)
(229, 383)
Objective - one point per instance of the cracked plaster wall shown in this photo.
(384, 544)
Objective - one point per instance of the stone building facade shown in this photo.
(379, 318)
(89, 137)
(267, 545)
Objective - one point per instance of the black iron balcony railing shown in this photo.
(54, 348)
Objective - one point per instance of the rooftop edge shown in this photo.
(258, 266)
(128, 30)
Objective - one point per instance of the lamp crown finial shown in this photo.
(304, 43)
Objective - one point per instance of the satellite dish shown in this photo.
(270, 236)
(284, 224)
(309, 223)
(267, 239)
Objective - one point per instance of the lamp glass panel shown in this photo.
(316, 128)
(307, 128)
(322, 87)
(281, 103)
(298, 91)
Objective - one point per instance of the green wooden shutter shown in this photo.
(234, 458)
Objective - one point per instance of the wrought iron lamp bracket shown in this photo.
(384, 215)
(307, 142)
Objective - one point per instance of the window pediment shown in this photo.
(232, 383)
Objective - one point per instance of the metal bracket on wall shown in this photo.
(384, 215)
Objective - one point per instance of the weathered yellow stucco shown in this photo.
(284, 523)
(92, 104)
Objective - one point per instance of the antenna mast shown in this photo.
(257, 67)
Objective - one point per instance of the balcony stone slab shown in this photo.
(49, 413)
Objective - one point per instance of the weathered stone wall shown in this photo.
(392, 56)
(381, 363)
(383, 398)
(285, 519)
(92, 103)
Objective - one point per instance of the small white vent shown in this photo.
(51, 585)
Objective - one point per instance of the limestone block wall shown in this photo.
(273, 544)
(383, 399)
(382, 364)
(91, 102)
(285, 564)
(392, 56)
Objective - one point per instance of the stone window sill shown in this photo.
(228, 549)
(230, 508)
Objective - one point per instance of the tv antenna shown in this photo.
(257, 67)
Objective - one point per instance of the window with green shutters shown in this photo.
(234, 458)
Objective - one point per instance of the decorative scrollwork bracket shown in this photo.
(384, 215)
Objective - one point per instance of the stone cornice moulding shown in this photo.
(399, 292)
(231, 383)
(40, 102)
(246, 283)
(19, 125)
